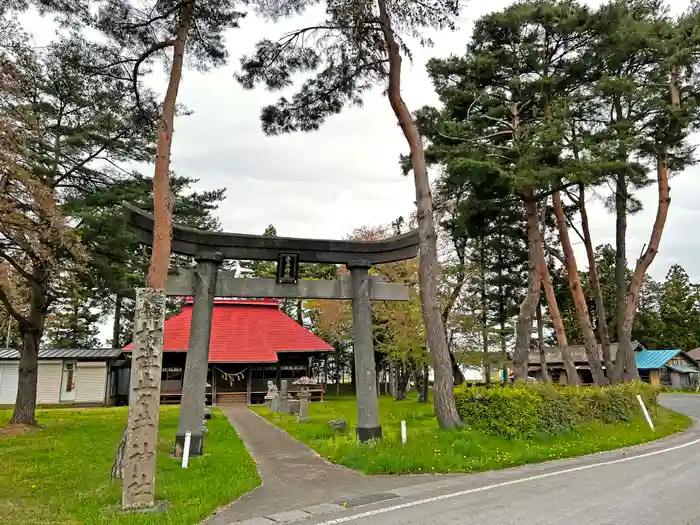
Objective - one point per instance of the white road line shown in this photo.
(504, 484)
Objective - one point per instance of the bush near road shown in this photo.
(526, 411)
(431, 450)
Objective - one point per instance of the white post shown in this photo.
(186, 452)
(646, 413)
(404, 437)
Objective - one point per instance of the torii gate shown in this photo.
(206, 282)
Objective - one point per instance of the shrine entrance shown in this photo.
(207, 281)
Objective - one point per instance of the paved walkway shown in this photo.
(294, 477)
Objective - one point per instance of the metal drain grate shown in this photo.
(366, 500)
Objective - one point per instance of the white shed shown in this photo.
(65, 376)
(9, 374)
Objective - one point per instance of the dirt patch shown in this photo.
(16, 430)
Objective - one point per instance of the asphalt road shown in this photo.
(655, 484)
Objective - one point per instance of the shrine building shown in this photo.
(252, 342)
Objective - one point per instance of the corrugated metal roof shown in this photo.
(577, 353)
(653, 359)
(67, 353)
(9, 353)
(684, 369)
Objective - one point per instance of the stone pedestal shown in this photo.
(284, 397)
(292, 405)
(139, 462)
(303, 415)
(368, 427)
(194, 386)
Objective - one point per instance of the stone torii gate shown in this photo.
(206, 282)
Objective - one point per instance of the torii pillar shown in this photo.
(194, 387)
(368, 426)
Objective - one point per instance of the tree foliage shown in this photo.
(554, 94)
(74, 131)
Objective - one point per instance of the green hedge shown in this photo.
(522, 411)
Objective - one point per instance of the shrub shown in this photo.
(561, 409)
(525, 410)
(506, 412)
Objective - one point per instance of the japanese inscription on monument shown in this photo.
(288, 268)
(144, 401)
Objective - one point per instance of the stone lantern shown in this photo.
(304, 396)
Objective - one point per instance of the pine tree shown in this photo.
(645, 96)
(504, 113)
(70, 122)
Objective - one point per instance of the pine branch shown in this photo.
(5, 300)
(144, 56)
(162, 16)
(18, 268)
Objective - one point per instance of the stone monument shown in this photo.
(139, 461)
(272, 398)
(284, 398)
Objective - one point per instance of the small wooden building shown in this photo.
(555, 362)
(73, 376)
(252, 342)
(674, 368)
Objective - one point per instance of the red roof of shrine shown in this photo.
(244, 331)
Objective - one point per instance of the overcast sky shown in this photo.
(346, 175)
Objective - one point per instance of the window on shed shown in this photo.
(644, 376)
(665, 374)
(70, 372)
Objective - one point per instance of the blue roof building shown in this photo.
(673, 368)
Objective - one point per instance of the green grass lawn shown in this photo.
(430, 450)
(60, 474)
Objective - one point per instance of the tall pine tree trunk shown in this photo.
(572, 377)
(523, 325)
(24, 412)
(504, 353)
(116, 326)
(139, 461)
(300, 312)
(425, 387)
(620, 273)
(545, 279)
(540, 345)
(502, 314)
(484, 312)
(162, 198)
(630, 371)
(603, 334)
(557, 321)
(552, 304)
(445, 408)
(584, 318)
(625, 365)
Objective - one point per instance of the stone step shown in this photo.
(231, 398)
